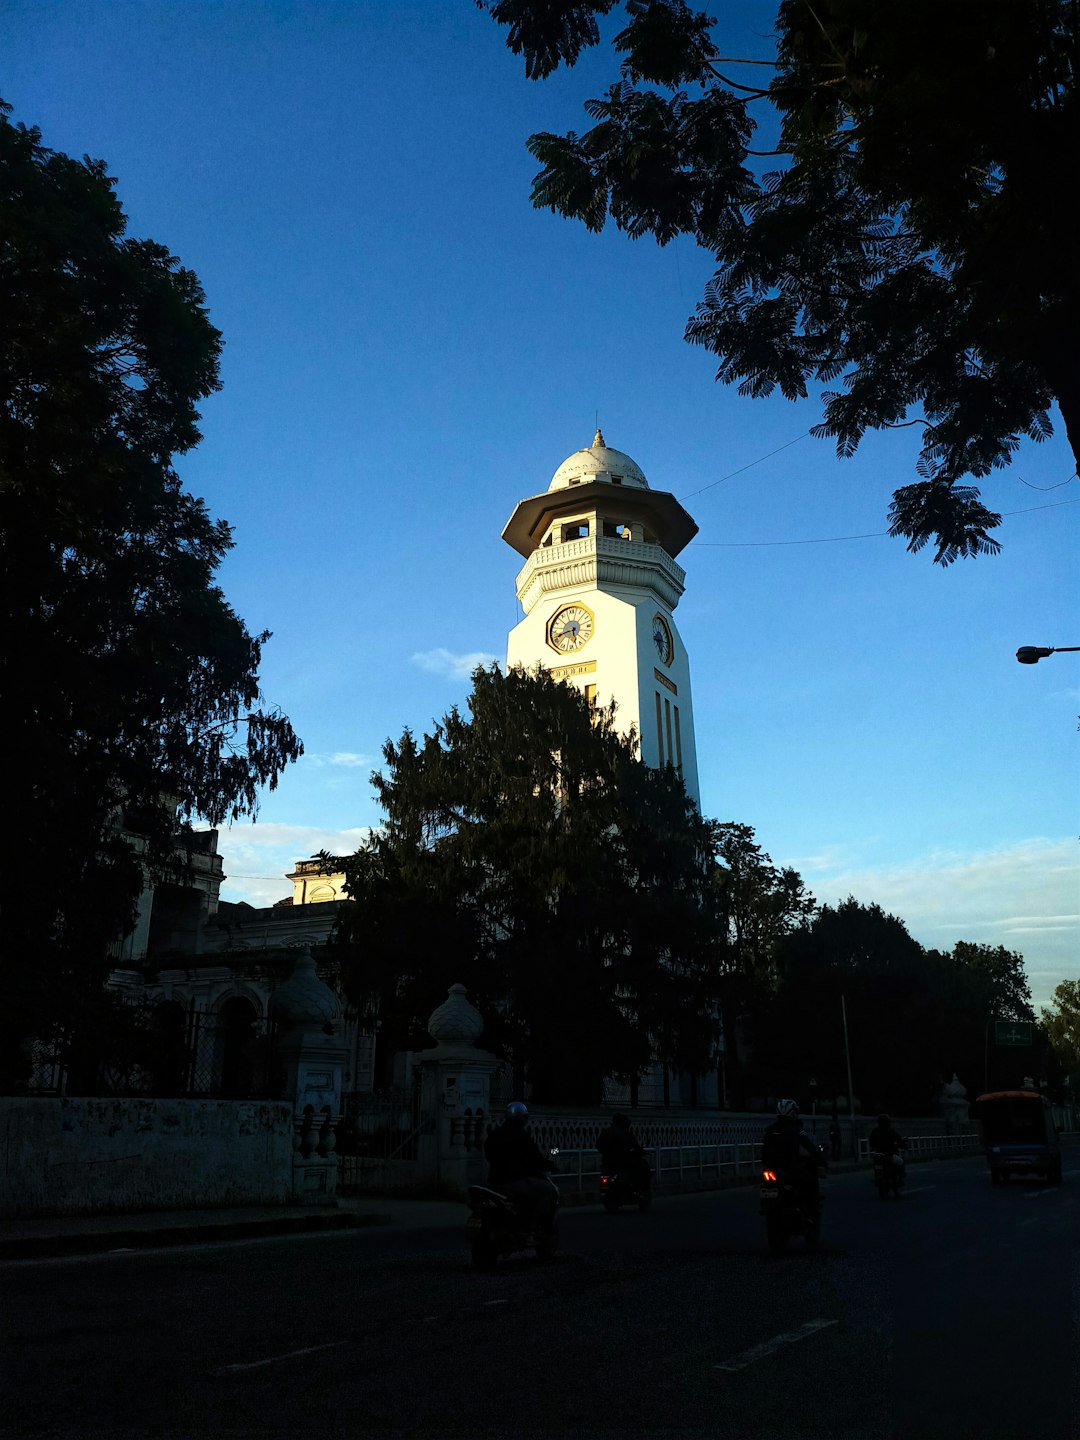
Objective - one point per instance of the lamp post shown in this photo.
(1032, 654)
(813, 1099)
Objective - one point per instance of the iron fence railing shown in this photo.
(677, 1165)
(165, 1051)
(917, 1146)
(381, 1126)
(674, 1165)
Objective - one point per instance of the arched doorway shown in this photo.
(168, 1024)
(236, 1032)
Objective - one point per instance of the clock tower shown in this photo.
(599, 587)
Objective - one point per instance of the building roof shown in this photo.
(594, 476)
(599, 462)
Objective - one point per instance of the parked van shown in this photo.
(1019, 1133)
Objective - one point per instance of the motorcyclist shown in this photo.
(884, 1140)
(517, 1168)
(787, 1149)
(621, 1153)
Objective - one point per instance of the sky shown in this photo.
(411, 348)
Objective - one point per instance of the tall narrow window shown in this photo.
(678, 741)
(659, 731)
(667, 728)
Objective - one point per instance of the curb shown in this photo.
(41, 1247)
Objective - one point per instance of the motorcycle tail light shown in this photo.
(769, 1175)
(605, 1179)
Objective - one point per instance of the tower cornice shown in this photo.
(603, 562)
(674, 527)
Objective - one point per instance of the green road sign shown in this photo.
(1012, 1032)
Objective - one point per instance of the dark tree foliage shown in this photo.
(529, 855)
(912, 250)
(758, 904)
(997, 976)
(914, 1016)
(129, 684)
(859, 952)
(1062, 1025)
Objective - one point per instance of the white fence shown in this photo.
(673, 1165)
(923, 1146)
(679, 1166)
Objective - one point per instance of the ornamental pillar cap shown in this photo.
(303, 1002)
(455, 1021)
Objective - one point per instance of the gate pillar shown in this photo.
(313, 1055)
(455, 1095)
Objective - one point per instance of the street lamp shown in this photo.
(1032, 654)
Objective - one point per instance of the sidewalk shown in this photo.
(94, 1234)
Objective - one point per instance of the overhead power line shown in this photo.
(832, 539)
(732, 473)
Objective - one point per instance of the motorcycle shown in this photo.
(888, 1173)
(621, 1188)
(495, 1228)
(788, 1212)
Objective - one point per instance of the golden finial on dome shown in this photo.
(598, 440)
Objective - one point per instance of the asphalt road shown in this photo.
(953, 1312)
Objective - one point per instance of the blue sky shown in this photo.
(411, 349)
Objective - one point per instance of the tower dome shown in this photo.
(599, 462)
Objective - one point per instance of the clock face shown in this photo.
(570, 628)
(661, 634)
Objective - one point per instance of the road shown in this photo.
(952, 1312)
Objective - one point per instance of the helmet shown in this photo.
(787, 1107)
(884, 1119)
(516, 1111)
(620, 1122)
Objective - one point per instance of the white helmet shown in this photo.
(787, 1107)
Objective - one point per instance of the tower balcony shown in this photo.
(607, 562)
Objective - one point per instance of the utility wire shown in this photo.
(832, 539)
(731, 475)
(1067, 481)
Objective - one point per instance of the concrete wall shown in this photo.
(80, 1156)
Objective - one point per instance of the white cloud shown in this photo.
(1026, 897)
(347, 759)
(456, 667)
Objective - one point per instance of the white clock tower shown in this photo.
(599, 587)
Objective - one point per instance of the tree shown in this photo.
(527, 853)
(758, 905)
(913, 245)
(1000, 977)
(867, 956)
(1062, 1024)
(130, 685)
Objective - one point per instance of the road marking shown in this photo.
(1035, 1194)
(748, 1357)
(273, 1359)
(919, 1188)
(1033, 1221)
(496, 1302)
